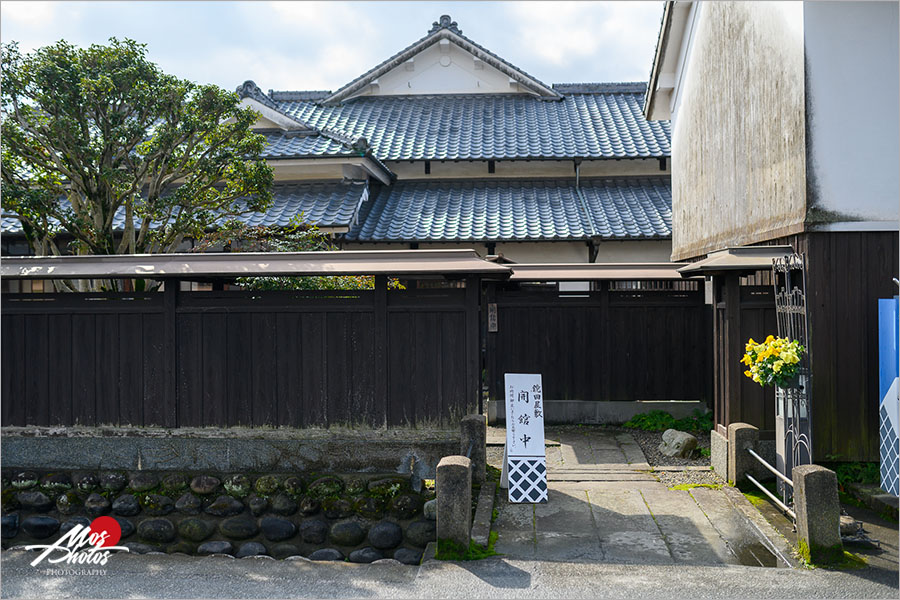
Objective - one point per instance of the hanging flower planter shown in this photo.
(775, 361)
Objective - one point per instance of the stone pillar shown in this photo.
(741, 437)
(453, 487)
(818, 514)
(473, 432)
(718, 453)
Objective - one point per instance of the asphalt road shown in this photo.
(167, 576)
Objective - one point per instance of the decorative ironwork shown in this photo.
(793, 410)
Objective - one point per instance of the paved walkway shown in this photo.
(605, 505)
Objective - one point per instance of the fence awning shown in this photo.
(427, 263)
(595, 271)
(746, 258)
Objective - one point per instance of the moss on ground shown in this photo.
(688, 486)
(449, 550)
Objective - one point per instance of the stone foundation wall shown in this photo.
(361, 517)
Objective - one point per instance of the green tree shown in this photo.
(89, 132)
(297, 236)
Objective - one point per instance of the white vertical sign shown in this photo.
(524, 461)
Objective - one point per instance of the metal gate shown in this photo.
(793, 416)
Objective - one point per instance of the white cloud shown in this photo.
(28, 14)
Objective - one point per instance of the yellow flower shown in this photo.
(770, 339)
(777, 366)
(747, 373)
(751, 342)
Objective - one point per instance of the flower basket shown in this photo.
(776, 361)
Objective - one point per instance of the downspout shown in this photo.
(592, 230)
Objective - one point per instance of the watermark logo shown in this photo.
(91, 545)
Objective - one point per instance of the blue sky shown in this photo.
(323, 45)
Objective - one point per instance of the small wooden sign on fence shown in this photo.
(524, 460)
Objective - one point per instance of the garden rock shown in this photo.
(113, 482)
(314, 531)
(87, 482)
(337, 508)
(677, 443)
(365, 555)
(126, 505)
(96, 505)
(385, 535)
(419, 533)
(141, 482)
(347, 533)
(277, 530)
(9, 526)
(68, 503)
(285, 550)
(194, 529)
(175, 482)
(293, 486)
(37, 501)
(182, 547)
(217, 547)
(266, 485)
(281, 504)
(237, 485)
(406, 506)
(326, 554)
(126, 526)
(250, 549)
(849, 525)
(369, 507)
(356, 486)
(24, 480)
(40, 526)
(156, 530)
(65, 527)
(238, 528)
(225, 506)
(429, 509)
(204, 484)
(157, 505)
(408, 556)
(326, 486)
(310, 506)
(189, 504)
(257, 505)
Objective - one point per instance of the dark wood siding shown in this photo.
(604, 345)
(293, 359)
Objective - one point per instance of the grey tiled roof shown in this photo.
(328, 204)
(474, 210)
(481, 127)
(286, 145)
(629, 206)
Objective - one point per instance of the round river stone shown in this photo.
(225, 506)
(385, 535)
(277, 530)
(194, 529)
(126, 505)
(419, 533)
(314, 531)
(217, 547)
(347, 533)
(365, 555)
(204, 484)
(141, 482)
(96, 505)
(251, 549)
(238, 528)
(326, 554)
(40, 526)
(156, 530)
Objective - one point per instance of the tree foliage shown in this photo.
(92, 132)
(296, 237)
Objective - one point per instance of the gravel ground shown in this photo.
(673, 478)
(650, 441)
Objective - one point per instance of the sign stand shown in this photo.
(524, 471)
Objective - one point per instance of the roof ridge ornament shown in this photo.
(249, 89)
(445, 22)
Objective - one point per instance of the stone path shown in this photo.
(605, 505)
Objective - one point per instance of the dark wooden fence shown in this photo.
(612, 344)
(743, 311)
(184, 359)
